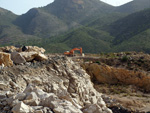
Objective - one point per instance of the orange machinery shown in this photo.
(71, 52)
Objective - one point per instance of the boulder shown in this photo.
(5, 59)
(40, 57)
(22, 108)
(34, 49)
(17, 58)
(29, 56)
(21, 96)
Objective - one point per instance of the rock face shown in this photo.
(112, 75)
(5, 59)
(57, 85)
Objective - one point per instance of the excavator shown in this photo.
(71, 52)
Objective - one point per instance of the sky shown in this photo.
(22, 6)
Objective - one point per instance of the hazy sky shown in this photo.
(22, 6)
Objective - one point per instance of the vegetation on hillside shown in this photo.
(91, 24)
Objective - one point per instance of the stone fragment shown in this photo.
(20, 96)
(32, 102)
(22, 108)
(35, 48)
(29, 56)
(93, 108)
(5, 59)
(3, 85)
(17, 58)
(40, 57)
(32, 95)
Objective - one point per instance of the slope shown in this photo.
(134, 6)
(60, 16)
(130, 26)
(9, 33)
(91, 40)
(39, 23)
(139, 42)
(77, 10)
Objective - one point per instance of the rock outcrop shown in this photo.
(111, 75)
(57, 85)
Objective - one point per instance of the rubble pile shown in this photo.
(10, 55)
(56, 85)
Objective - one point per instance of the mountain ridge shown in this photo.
(71, 20)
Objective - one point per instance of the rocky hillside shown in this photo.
(56, 85)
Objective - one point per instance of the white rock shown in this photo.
(93, 108)
(3, 85)
(29, 56)
(32, 102)
(32, 95)
(21, 96)
(28, 89)
(22, 108)
(17, 58)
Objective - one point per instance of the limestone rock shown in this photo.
(8, 49)
(63, 87)
(32, 95)
(5, 59)
(17, 58)
(35, 49)
(94, 108)
(29, 56)
(22, 108)
(21, 96)
(40, 57)
(3, 85)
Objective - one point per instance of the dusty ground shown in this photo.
(127, 96)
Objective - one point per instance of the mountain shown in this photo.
(9, 33)
(129, 26)
(77, 10)
(40, 23)
(134, 6)
(60, 16)
(91, 24)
